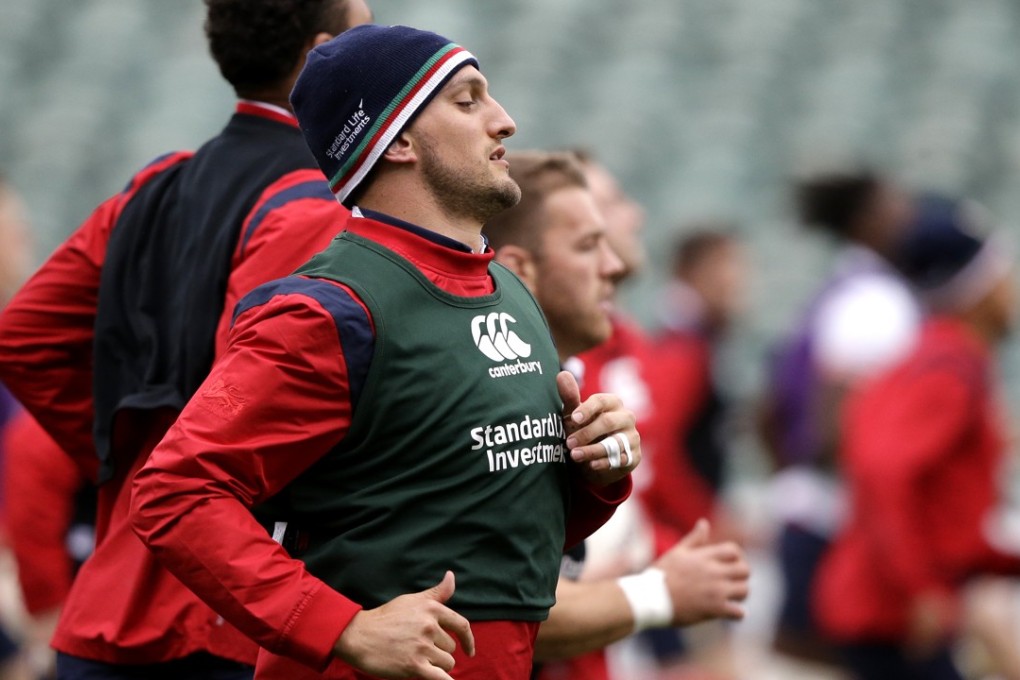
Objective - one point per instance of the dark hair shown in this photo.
(835, 201)
(698, 243)
(539, 174)
(257, 43)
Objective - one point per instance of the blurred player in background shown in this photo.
(700, 303)
(922, 450)
(557, 241)
(15, 262)
(687, 473)
(863, 318)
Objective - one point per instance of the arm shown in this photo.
(892, 488)
(893, 485)
(46, 334)
(275, 402)
(693, 582)
(46, 331)
(676, 496)
(40, 483)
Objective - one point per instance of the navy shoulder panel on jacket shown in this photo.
(353, 326)
(315, 189)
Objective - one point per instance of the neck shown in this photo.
(567, 350)
(420, 207)
(985, 328)
(277, 96)
(876, 240)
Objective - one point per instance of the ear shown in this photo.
(401, 150)
(320, 38)
(521, 262)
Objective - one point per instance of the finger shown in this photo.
(726, 552)
(733, 611)
(739, 591)
(442, 591)
(594, 455)
(603, 425)
(741, 570)
(614, 452)
(444, 641)
(440, 659)
(453, 622)
(698, 536)
(570, 393)
(593, 406)
(430, 672)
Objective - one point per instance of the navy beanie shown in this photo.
(358, 91)
(948, 254)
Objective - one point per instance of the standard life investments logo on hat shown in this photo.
(358, 91)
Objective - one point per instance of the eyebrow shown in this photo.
(473, 80)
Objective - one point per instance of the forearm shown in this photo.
(212, 543)
(587, 616)
(232, 448)
(592, 507)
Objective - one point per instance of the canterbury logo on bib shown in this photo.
(495, 339)
(498, 342)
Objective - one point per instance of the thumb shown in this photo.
(442, 591)
(698, 536)
(570, 393)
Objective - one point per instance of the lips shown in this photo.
(498, 154)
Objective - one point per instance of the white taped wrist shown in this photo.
(649, 598)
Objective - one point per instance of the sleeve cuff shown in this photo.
(316, 626)
(611, 494)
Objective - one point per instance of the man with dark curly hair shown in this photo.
(128, 314)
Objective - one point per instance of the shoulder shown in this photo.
(300, 196)
(155, 168)
(291, 294)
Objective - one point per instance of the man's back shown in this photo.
(163, 283)
(158, 290)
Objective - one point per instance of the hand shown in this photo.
(408, 637)
(705, 581)
(601, 416)
(932, 620)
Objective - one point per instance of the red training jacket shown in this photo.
(922, 449)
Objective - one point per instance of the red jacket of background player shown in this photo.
(922, 449)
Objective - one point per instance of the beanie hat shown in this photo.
(361, 89)
(948, 254)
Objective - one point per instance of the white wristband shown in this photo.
(649, 598)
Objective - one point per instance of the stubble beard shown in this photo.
(478, 197)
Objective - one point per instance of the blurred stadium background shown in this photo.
(704, 108)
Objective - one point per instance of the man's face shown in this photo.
(574, 271)
(721, 280)
(624, 218)
(358, 13)
(1002, 303)
(16, 255)
(887, 217)
(459, 140)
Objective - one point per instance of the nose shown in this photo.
(612, 265)
(503, 125)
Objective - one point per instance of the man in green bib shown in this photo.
(395, 407)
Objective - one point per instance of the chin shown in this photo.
(509, 192)
(603, 334)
